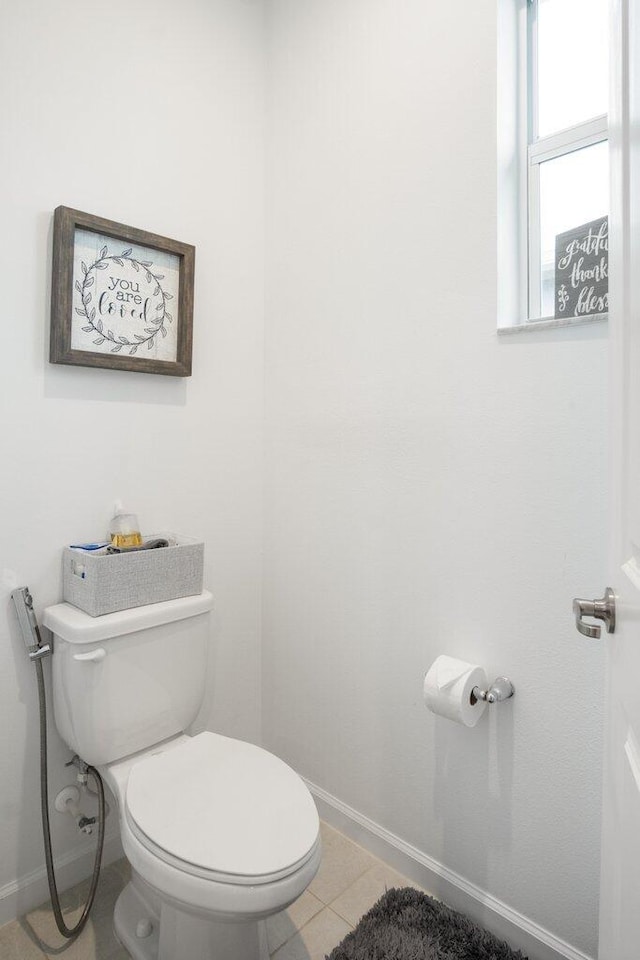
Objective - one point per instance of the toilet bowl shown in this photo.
(220, 834)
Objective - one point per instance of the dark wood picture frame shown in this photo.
(73, 302)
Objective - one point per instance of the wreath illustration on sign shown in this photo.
(88, 310)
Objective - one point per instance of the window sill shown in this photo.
(549, 323)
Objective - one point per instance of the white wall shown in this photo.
(431, 488)
(149, 113)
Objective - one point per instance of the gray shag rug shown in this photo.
(408, 925)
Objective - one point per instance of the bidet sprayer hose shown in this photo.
(68, 932)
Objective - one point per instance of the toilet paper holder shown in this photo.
(500, 689)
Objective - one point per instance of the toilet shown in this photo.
(220, 834)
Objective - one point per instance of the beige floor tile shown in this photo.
(349, 879)
(16, 945)
(97, 941)
(316, 939)
(367, 890)
(342, 863)
(282, 926)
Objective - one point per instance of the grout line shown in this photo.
(342, 917)
(327, 903)
(316, 915)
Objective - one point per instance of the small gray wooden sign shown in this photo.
(582, 270)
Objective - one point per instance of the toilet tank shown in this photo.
(127, 680)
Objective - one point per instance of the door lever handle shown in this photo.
(604, 609)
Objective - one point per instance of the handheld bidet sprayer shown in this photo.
(37, 650)
(23, 602)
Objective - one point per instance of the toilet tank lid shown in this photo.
(71, 624)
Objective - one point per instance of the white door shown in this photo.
(620, 877)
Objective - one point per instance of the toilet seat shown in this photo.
(222, 809)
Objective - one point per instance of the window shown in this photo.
(568, 170)
(553, 150)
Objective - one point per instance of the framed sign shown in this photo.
(121, 297)
(582, 270)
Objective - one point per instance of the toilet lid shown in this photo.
(224, 806)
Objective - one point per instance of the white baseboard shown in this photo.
(25, 893)
(519, 931)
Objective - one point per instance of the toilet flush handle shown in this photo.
(94, 656)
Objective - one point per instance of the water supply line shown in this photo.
(37, 652)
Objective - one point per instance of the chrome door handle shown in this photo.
(604, 609)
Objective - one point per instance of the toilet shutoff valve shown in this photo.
(68, 801)
(83, 769)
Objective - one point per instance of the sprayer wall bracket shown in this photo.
(39, 653)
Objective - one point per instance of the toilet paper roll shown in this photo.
(448, 686)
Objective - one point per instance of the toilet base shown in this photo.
(153, 930)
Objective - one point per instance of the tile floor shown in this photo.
(347, 884)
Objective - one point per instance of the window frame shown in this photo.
(537, 151)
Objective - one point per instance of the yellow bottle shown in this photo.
(124, 530)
